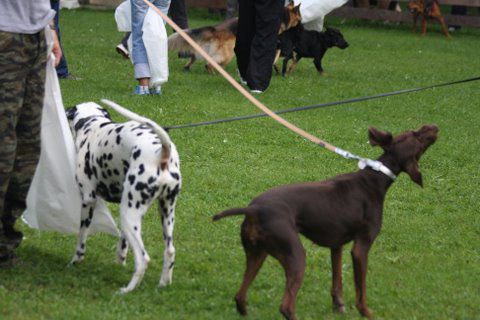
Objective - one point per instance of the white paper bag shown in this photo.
(53, 201)
(156, 43)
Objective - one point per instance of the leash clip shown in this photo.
(364, 162)
(377, 166)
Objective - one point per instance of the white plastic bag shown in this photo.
(154, 38)
(123, 17)
(313, 12)
(53, 201)
(156, 43)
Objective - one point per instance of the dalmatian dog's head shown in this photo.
(82, 115)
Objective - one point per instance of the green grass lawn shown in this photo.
(424, 265)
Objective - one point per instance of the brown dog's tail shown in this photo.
(232, 212)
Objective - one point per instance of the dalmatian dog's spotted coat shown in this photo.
(130, 163)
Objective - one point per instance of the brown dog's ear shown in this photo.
(297, 9)
(379, 138)
(414, 172)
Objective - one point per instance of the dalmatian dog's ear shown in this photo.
(71, 112)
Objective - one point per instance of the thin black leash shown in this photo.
(321, 105)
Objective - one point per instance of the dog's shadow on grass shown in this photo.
(37, 268)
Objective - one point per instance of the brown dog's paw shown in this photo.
(367, 313)
(339, 309)
(241, 306)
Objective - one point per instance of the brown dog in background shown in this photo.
(330, 213)
(219, 40)
(428, 9)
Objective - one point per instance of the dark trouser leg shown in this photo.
(264, 43)
(245, 33)
(232, 6)
(178, 12)
(21, 100)
(62, 68)
(458, 10)
(125, 40)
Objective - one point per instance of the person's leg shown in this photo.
(245, 33)
(232, 6)
(457, 10)
(21, 101)
(62, 68)
(267, 20)
(178, 12)
(139, 53)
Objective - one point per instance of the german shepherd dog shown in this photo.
(428, 9)
(219, 40)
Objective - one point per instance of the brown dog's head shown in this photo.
(406, 148)
(291, 17)
(416, 7)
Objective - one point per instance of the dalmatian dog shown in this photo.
(131, 163)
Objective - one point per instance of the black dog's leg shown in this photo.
(318, 63)
(296, 59)
(284, 65)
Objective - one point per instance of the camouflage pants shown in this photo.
(22, 87)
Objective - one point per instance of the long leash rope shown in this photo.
(321, 105)
(362, 162)
(237, 86)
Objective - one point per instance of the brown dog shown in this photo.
(428, 9)
(330, 213)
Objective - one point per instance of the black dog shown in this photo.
(330, 213)
(298, 43)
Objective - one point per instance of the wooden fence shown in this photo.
(349, 12)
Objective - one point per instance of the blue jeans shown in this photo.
(62, 68)
(139, 54)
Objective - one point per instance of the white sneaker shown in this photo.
(256, 91)
(123, 51)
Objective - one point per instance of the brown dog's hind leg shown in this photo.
(255, 259)
(360, 262)
(337, 299)
(292, 258)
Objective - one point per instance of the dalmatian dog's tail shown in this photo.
(162, 134)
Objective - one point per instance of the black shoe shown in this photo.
(7, 259)
(13, 238)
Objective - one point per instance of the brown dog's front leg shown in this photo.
(337, 299)
(415, 19)
(424, 25)
(360, 262)
(444, 26)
